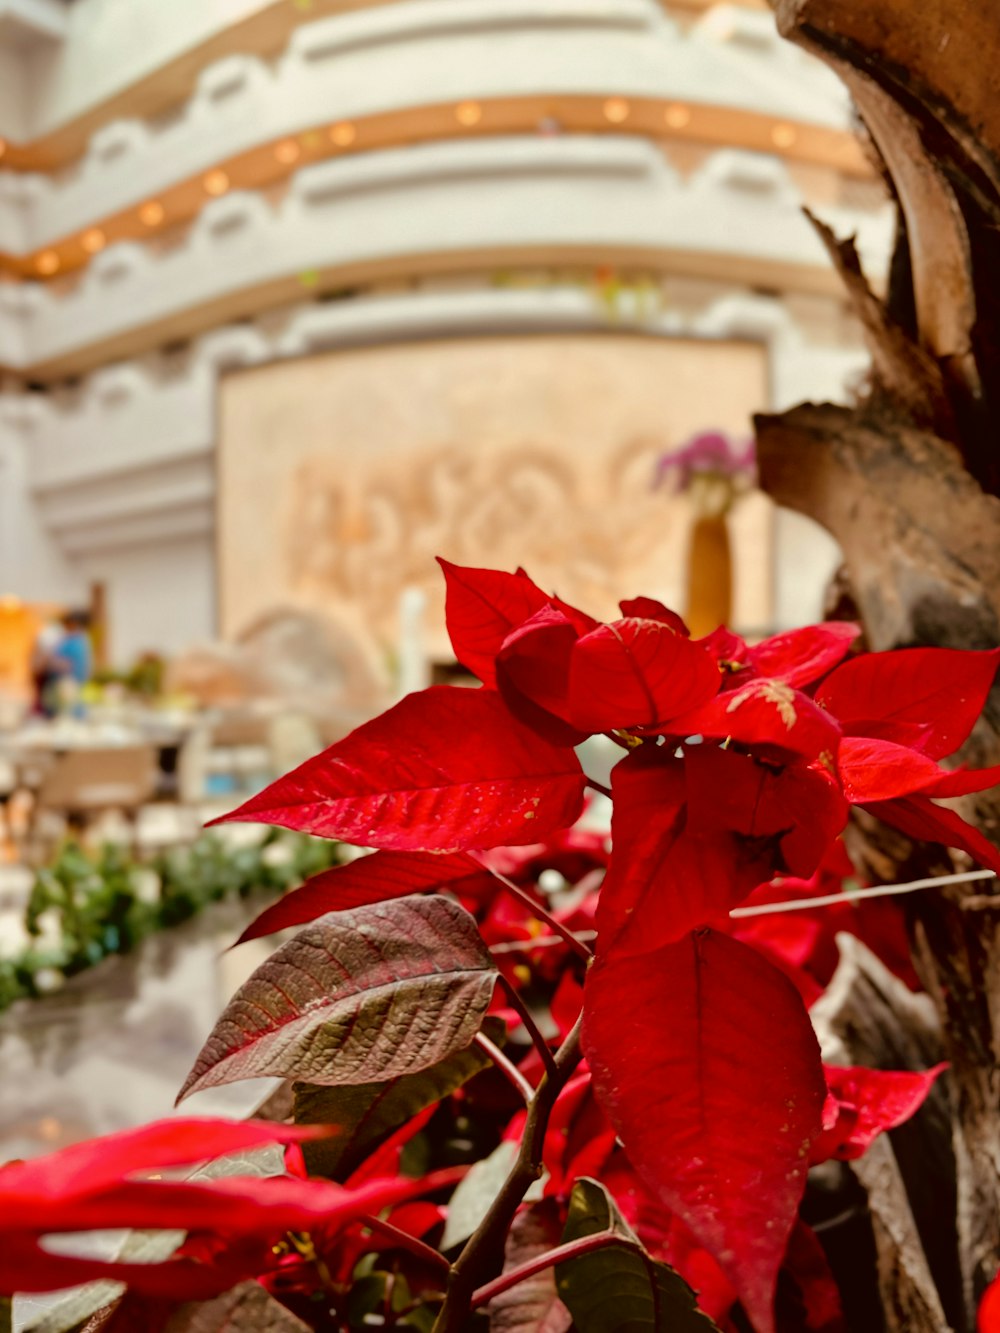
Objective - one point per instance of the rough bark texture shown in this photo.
(907, 481)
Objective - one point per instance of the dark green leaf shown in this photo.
(621, 1289)
(368, 1112)
(533, 1306)
(6, 1315)
(356, 997)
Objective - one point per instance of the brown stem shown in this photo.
(530, 1026)
(488, 1239)
(536, 909)
(405, 1241)
(507, 1067)
(573, 1249)
(599, 786)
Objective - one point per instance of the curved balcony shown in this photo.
(411, 71)
(93, 65)
(440, 208)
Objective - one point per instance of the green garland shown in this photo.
(105, 902)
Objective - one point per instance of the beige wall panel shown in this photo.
(342, 475)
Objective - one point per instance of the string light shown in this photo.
(783, 136)
(344, 134)
(216, 183)
(616, 110)
(93, 241)
(468, 114)
(151, 214)
(287, 152)
(677, 115)
(47, 263)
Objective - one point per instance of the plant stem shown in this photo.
(405, 1241)
(507, 1067)
(488, 1239)
(536, 909)
(599, 786)
(530, 1026)
(573, 1249)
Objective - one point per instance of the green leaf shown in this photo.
(358, 996)
(621, 1289)
(533, 1306)
(476, 1191)
(6, 1315)
(368, 1112)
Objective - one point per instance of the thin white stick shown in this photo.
(878, 891)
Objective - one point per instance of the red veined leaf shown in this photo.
(165, 1144)
(963, 781)
(768, 715)
(482, 606)
(445, 769)
(878, 770)
(988, 1320)
(918, 817)
(370, 879)
(637, 673)
(801, 656)
(941, 690)
(248, 1308)
(648, 608)
(714, 1113)
(356, 997)
(863, 1103)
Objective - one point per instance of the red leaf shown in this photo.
(768, 715)
(800, 656)
(989, 1309)
(85, 1167)
(918, 817)
(878, 770)
(648, 608)
(693, 837)
(807, 1268)
(637, 673)
(482, 606)
(963, 781)
(863, 1103)
(941, 691)
(715, 1113)
(444, 769)
(533, 674)
(369, 879)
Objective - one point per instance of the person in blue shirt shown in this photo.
(75, 652)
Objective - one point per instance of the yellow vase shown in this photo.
(709, 576)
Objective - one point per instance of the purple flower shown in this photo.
(710, 455)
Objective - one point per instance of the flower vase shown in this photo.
(709, 575)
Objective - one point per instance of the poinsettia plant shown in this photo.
(624, 1075)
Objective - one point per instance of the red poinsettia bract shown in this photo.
(115, 1182)
(741, 763)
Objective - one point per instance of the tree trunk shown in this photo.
(907, 482)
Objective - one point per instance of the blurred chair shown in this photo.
(81, 785)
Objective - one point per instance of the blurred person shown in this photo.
(74, 652)
(46, 668)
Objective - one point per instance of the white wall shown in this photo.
(31, 564)
(161, 597)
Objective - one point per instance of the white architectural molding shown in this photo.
(418, 53)
(407, 210)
